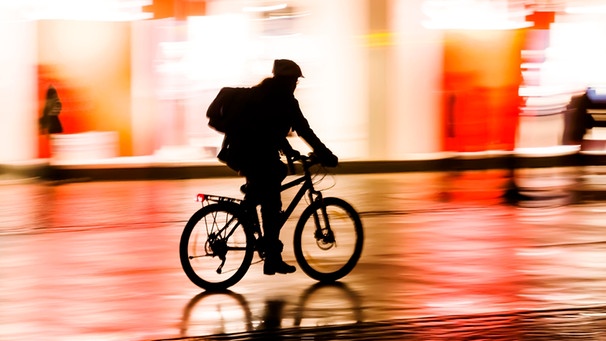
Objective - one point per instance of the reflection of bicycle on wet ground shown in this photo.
(219, 240)
(216, 312)
(328, 305)
(325, 304)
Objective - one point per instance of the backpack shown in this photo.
(226, 110)
(224, 115)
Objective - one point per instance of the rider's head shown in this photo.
(287, 71)
(286, 68)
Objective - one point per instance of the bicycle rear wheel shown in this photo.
(328, 253)
(215, 248)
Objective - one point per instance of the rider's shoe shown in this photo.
(273, 261)
(278, 266)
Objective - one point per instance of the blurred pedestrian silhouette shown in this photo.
(255, 144)
(49, 122)
(577, 120)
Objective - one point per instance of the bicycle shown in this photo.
(218, 242)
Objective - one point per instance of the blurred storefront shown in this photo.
(384, 79)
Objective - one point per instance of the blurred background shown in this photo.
(384, 79)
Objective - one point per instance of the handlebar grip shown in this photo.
(306, 160)
(291, 165)
(312, 159)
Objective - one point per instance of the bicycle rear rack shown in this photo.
(204, 198)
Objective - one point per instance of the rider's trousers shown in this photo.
(263, 183)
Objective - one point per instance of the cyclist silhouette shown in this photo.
(256, 145)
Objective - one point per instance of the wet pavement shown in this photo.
(444, 258)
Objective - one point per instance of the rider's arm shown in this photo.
(301, 126)
(303, 129)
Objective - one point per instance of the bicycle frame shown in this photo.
(307, 187)
(313, 195)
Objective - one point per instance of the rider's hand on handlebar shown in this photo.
(290, 153)
(293, 155)
(327, 158)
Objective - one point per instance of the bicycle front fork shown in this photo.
(324, 234)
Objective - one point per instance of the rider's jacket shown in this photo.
(274, 112)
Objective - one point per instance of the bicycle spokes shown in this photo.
(216, 249)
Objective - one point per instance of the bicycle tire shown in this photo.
(323, 262)
(200, 251)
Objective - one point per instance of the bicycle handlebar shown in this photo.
(305, 160)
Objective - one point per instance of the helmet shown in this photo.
(286, 68)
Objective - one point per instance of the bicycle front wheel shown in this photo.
(215, 248)
(328, 239)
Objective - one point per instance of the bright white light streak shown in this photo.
(471, 14)
(264, 8)
(597, 9)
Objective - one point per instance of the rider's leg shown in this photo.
(266, 186)
(270, 213)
